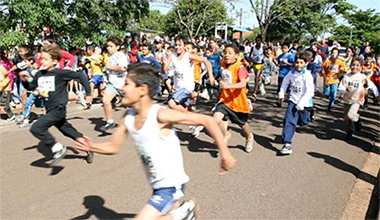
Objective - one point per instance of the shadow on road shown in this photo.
(341, 165)
(96, 208)
(99, 122)
(48, 155)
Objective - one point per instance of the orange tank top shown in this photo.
(197, 71)
(235, 99)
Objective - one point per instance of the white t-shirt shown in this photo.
(257, 54)
(183, 73)
(117, 79)
(161, 156)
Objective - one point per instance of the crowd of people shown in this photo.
(134, 71)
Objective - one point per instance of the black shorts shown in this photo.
(239, 118)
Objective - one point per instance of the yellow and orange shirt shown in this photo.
(332, 70)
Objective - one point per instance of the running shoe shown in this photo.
(58, 156)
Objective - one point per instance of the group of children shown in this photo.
(151, 125)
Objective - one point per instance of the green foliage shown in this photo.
(82, 20)
(195, 17)
(307, 19)
(363, 26)
(154, 21)
(252, 37)
(13, 38)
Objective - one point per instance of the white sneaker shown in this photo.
(249, 144)
(58, 156)
(11, 118)
(25, 124)
(286, 149)
(81, 100)
(250, 105)
(197, 130)
(205, 95)
(191, 210)
(20, 120)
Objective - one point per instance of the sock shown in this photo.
(110, 121)
(57, 147)
(181, 211)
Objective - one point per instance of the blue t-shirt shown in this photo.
(150, 60)
(284, 68)
(215, 63)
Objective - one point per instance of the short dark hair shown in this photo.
(259, 37)
(310, 53)
(91, 48)
(359, 59)
(25, 47)
(335, 48)
(233, 47)
(29, 57)
(146, 44)
(144, 73)
(53, 51)
(51, 39)
(180, 38)
(115, 40)
(285, 44)
(302, 56)
(367, 55)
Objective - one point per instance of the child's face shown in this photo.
(368, 60)
(179, 46)
(47, 62)
(334, 54)
(230, 56)
(212, 44)
(131, 92)
(112, 48)
(145, 51)
(189, 48)
(200, 53)
(348, 52)
(208, 53)
(22, 52)
(300, 64)
(285, 49)
(356, 67)
(378, 60)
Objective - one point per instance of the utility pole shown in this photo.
(240, 24)
(350, 43)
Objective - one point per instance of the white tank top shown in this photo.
(161, 156)
(183, 73)
(258, 55)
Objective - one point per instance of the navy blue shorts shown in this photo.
(182, 97)
(97, 79)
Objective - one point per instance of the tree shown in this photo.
(307, 19)
(28, 18)
(363, 26)
(154, 21)
(195, 17)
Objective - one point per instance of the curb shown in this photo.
(363, 202)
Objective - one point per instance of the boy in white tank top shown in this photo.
(150, 126)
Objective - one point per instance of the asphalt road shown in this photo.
(313, 183)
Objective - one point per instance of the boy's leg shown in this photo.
(290, 123)
(333, 92)
(40, 128)
(248, 136)
(7, 107)
(107, 106)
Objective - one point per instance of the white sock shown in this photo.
(180, 212)
(110, 121)
(57, 147)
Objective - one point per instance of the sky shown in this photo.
(249, 19)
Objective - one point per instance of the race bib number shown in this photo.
(333, 68)
(296, 87)
(354, 83)
(227, 76)
(146, 160)
(47, 83)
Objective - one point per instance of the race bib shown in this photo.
(227, 76)
(47, 83)
(296, 87)
(333, 68)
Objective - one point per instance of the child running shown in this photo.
(52, 84)
(300, 102)
(233, 104)
(353, 87)
(151, 127)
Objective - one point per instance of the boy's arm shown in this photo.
(342, 85)
(166, 64)
(68, 56)
(29, 85)
(170, 116)
(107, 148)
(157, 64)
(284, 86)
(208, 66)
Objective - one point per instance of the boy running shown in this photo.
(233, 102)
(301, 85)
(151, 127)
(285, 62)
(52, 84)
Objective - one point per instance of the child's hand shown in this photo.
(24, 75)
(83, 144)
(281, 99)
(223, 84)
(227, 164)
